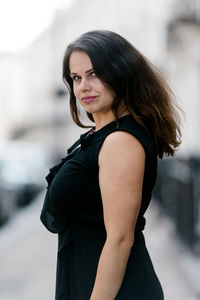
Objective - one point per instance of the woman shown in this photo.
(98, 194)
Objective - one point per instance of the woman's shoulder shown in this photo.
(121, 146)
(130, 125)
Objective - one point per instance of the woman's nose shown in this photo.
(84, 85)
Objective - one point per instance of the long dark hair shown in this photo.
(134, 80)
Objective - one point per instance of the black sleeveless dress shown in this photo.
(73, 209)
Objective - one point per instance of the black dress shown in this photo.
(73, 209)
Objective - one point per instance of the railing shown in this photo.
(178, 192)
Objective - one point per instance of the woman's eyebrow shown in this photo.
(88, 71)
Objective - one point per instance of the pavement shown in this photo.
(28, 257)
(177, 268)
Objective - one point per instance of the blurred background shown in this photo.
(36, 130)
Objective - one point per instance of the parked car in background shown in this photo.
(23, 167)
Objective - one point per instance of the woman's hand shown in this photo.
(121, 171)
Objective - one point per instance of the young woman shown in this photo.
(98, 194)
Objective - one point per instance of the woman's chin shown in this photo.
(90, 110)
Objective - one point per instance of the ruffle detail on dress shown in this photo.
(54, 170)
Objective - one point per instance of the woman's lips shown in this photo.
(88, 99)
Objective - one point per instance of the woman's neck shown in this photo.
(104, 119)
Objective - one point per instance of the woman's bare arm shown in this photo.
(121, 171)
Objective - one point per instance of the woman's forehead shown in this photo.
(79, 61)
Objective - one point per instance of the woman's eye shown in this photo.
(93, 74)
(76, 78)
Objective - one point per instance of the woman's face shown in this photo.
(92, 94)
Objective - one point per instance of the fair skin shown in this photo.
(87, 84)
(121, 170)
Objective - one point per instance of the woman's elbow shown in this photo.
(123, 241)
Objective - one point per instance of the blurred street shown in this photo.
(37, 128)
(28, 257)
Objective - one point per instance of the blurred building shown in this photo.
(33, 97)
(183, 68)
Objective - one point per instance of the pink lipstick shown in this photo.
(88, 99)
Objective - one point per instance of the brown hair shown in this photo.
(134, 80)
